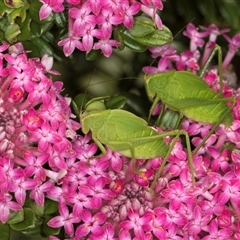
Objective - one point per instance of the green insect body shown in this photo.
(182, 92)
(188, 94)
(124, 132)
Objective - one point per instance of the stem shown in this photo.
(215, 49)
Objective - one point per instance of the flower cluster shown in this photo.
(103, 198)
(91, 22)
(42, 156)
(36, 129)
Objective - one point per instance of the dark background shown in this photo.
(76, 71)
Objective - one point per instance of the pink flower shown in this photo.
(91, 223)
(106, 46)
(98, 191)
(6, 205)
(198, 222)
(38, 193)
(27, 131)
(66, 219)
(135, 222)
(127, 12)
(106, 20)
(107, 233)
(69, 44)
(234, 45)
(152, 12)
(216, 233)
(195, 36)
(213, 33)
(49, 6)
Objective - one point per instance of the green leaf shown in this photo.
(60, 19)
(30, 203)
(43, 46)
(143, 26)
(2, 35)
(38, 210)
(25, 30)
(50, 206)
(131, 42)
(156, 38)
(34, 50)
(47, 26)
(11, 32)
(36, 29)
(34, 13)
(79, 101)
(14, 14)
(28, 222)
(5, 231)
(118, 36)
(35, 231)
(4, 8)
(116, 102)
(93, 55)
(16, 217)
(75, 108)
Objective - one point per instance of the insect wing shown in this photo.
(131, 133)
(205, 106)
(171, 86)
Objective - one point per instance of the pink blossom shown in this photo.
(106, 20)
(69, 44)
(91, 223)
(49, 6)
(195, 36)
(22, 149)
(126, 12)
(175, 193)
(152, 12)
(6, 205)
(107, 233)
(159, 224)
(135, 222)
(214, 32)
(198, 222)
(234, 45)
(216, 233)
(66, 219)
(99, 193)
(106, 46)
(38, 193)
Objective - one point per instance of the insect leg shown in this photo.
(203, 70)
(177, 134)
(228, 111)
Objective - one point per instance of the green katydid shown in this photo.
(124, 132)
(188, 94)
(130, 135)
